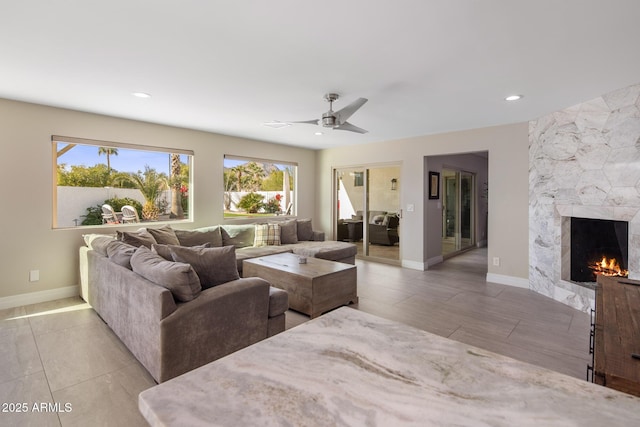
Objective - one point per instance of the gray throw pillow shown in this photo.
(164, 235)
(214, 266)
(288, 231)
(179, 278)
(165, 252)
(200, 236)
(120, 253)
(239, 236)
(305, 230)
(137, 238)
(98, 242)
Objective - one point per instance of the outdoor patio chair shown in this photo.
(108, 215)
(129, 214)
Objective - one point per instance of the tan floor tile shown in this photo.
(18, 353)
(13, 317)
(73, 355)
(61, 314)
(25, 392)
(107, 400)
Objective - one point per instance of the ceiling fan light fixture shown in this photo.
(513, 97)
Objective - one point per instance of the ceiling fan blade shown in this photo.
(343, 115)
(308, 122)
(351, 128)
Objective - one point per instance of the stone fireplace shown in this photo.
(584, 162)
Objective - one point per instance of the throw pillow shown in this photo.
(239, 236)
(378, 219)
(305, 229)
(200, 236)
(165, 252)
(98, 242)
(288, 232)
(120, 253)
(214, 266)
(267, 235)
(179, 278)
(137, 238)
(164, 235)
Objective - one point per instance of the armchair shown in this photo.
(385, 233)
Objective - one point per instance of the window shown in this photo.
(255, 187)
(89, 174)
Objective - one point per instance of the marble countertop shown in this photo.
(351, 368)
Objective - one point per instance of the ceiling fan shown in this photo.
(338, 119)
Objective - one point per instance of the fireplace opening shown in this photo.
(598, 247)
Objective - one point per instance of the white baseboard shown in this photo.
(518, 282)
(414, 265)
(37, 297)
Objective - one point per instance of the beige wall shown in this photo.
(30, 243)
(508, 190)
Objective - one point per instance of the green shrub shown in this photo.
(251, 202)
(94, 213)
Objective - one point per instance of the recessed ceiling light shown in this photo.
(318, 133)
(141, 95)
(276, 124)
(513, 97)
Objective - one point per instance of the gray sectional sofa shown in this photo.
(175, 297)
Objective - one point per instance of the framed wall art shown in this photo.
(434, 185)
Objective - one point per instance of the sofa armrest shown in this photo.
(221, 320)
(318, 236)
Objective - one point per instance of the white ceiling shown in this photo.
(426, 66)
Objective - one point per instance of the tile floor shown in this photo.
(60, 353)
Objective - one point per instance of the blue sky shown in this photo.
(127, 160)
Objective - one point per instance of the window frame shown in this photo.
(57, 139)
(248, 159)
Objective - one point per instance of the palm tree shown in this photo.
(151, 184)
(176, 195)
(257, 174)
(108, 151)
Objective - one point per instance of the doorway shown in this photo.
(367, 210)
(458, 211)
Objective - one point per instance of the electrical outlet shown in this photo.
(410, 208)
(34, 275)
(496, 261)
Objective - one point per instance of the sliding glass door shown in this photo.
(367, 203)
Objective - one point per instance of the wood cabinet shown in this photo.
(616, 333)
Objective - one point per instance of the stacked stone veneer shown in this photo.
(583, 162)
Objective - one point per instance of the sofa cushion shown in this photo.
(267, 235)
(305, 229)
(178, 277)
(214, 266)
(137, 238)
(200, 236)
(98, 242)
(330, 250)
(278, 301)
(239, 236)
(164, 235)
(288, 232)
(120, 253)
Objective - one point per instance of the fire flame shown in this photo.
(608, 267)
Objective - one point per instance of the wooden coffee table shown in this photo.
(314, 288)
